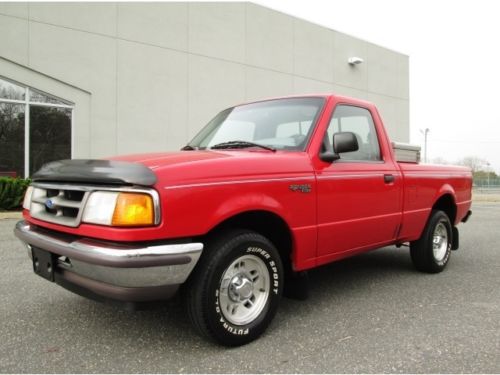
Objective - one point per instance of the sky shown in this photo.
(454, 50)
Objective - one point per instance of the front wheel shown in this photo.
(431, 252)
(235, 291)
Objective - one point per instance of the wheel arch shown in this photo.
(267, 223)
(446, 203)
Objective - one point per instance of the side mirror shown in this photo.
(342, 142)
(345, 142)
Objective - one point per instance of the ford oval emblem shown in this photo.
(49, 203)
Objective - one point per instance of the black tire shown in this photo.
(427, 256)
(244, 261)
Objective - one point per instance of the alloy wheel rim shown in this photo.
(440, 242)
(244, 290)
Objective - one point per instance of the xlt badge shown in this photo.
(303, 188)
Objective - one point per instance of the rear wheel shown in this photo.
(431, 252)
(235, 291)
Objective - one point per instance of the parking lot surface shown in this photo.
(371, 313)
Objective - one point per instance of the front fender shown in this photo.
(244, 203)
(196, 209)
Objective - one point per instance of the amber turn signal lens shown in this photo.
(133, 209)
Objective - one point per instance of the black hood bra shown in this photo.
(92, 171)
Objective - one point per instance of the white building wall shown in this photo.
(152, 74)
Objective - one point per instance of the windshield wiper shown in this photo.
(241, 144)
(189, 148)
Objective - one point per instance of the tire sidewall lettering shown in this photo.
(271, 265)
(446, 257)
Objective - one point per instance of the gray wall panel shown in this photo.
(217, 31)
(154, 73)
(349, 91)
(344, 74)
(159, 24)
(262, 83)
(403, 75)
(311, 86)
(14, 9)
(387, 107)
(14, 39)
(269, 39)
(312, 51)
(87, 61)
(152, 102)
(403, 120)
(383, 68)
(213, 85)
(99, 18)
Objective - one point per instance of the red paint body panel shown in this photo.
(350, 208)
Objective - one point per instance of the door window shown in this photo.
(359, 121)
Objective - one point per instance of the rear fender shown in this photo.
(445, 189)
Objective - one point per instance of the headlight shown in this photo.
(100, 207)
(27, 198)
(119, 209)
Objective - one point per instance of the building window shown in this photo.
(35, 128)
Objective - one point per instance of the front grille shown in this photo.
(59, 204)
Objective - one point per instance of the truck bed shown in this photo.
(423, 185)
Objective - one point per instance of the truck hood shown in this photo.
(183, 167)
(171, 168)
(162, 159)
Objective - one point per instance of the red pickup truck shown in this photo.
(266, 191)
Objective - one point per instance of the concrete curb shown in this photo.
(489, 198)
(11, 215)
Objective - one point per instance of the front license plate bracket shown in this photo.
(43, 263)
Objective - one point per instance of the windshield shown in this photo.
(281, 124)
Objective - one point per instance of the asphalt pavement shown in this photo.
(371, 313)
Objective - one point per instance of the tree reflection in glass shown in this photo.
(9, 90)
(50, 135)
(11, 140)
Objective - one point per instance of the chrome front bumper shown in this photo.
(117, 271)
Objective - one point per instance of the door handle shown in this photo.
(388, 178)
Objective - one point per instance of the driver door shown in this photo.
(359, 195)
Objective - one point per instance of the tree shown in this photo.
(475, 163)
(440, 160)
